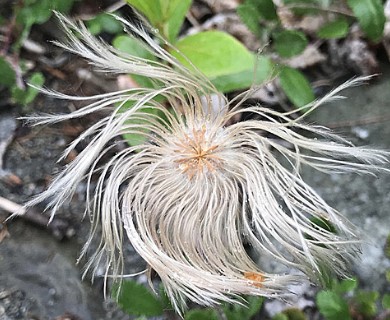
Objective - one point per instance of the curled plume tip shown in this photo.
(189, 197)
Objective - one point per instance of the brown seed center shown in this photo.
(197, 154)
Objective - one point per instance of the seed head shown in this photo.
(198, 189)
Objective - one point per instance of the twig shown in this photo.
(60, 228)
(10, 206)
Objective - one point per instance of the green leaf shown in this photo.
(371, 17)
(332, 306)
(387, 275)
(7, 73)
(135, 299)
(222, 58)
(289, 43)
(166, 16)
(201, 314)
(296, 87)
(214, 53)
(386, 301)
(334, 30)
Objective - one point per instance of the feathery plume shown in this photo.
(189, 197)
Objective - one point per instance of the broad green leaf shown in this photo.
(296, 86)
(214, 53)
(386, 301)
(332, 306)
(7, 73)
(371, 17)
(289, 43)
(201, 314)
(222, 58)
(334, 30)
(166, 16)
(135, 299)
